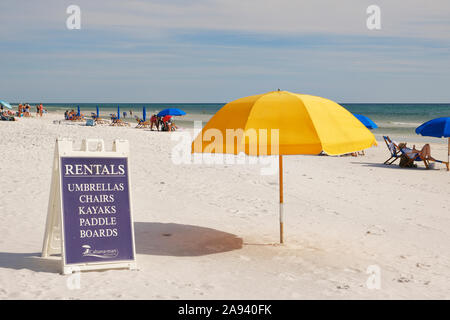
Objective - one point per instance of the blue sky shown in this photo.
(220, 50)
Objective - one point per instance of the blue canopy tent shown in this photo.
(171, 112)
(144, 113)
(366, 121)
(438, 128)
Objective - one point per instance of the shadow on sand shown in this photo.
(181, 240)
(164, 239)
(30, 261)
(385, 166)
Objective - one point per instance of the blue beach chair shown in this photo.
(397, 153)
(393, 149)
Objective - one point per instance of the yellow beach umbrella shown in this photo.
(283, 123)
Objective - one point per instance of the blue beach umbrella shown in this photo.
(118, 112)
(438, 128)
(171, 112)
(366, 121)
(78, 113)
(5, 104)
(144, 113)
(98, 112)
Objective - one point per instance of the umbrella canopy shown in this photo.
(98, 112)
(366, 121)
(78, 111)
(439, 128)
(118, 112)
(5, 104)
(144, 113)
(171, 112)
(306, 125)
(166, 118)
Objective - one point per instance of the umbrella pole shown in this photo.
(280, 157)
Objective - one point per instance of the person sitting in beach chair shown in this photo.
(142, 123)
(6, 116)
(74, 116)
(410, 155)
(116, 121)
(97, 119)
(171, 126)
(166, 123)
(407, 155)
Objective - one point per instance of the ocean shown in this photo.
(394, 119)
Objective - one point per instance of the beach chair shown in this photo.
(416, 157)
(118, 122)
(397, 153)
(77, 117)
(114, 120)
(98, 120)
(393, 149)
(141, 123)
(5, 117)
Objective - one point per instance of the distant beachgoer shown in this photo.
(171, 126)
(124, 114)
(131, 113)
(40, 109)
(154, 121)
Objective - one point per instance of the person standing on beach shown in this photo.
(131, 113)
(40, 109)
(154, 121)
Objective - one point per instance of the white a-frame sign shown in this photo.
(89, 219)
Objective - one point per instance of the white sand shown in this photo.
(343, 214)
